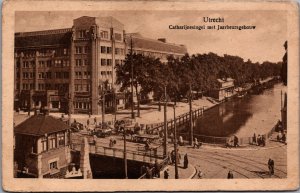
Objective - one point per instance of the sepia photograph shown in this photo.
(154, 94)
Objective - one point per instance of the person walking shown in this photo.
(88, 122)
(166, 174)
(254, 139)
(95, 120)
(196, 143)
(230, 175)
(200, 173)
(271, 166)
(235, 141)
(181, 143)
(185, 161)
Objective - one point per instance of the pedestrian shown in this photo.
(196, 143)
(200, 173)
(235, 141)
(88, 122)
(166, 174)
(157, 169)
(95, 120)
(258, 140)
(271, 166)
(263, 140)
(172, 137)
(283, 138)
(173, 156)
(186, 161)
(254, 139)
(181, 143)
(89, 114)
(230, 175)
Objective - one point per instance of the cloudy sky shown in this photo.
(265, 43)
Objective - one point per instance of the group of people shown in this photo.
(151, 171)
(233, 142)
(281, 137)
(260, 140)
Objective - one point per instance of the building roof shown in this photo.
(39, 125)
(141, 42)
(43, 38)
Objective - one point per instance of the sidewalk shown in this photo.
(183, 173)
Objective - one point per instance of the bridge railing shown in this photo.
(146, 156)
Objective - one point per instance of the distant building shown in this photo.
(225, 89)
(41, 147)
(64, 69)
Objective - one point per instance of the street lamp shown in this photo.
(131, 65)
(191, 116)
(165, 121)
(175, 144)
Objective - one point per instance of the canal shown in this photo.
(243, 116)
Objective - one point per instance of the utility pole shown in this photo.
(191, 117)
(132, 103)
(125, 154)
(103, 104)
(165, 122)
(175, 144)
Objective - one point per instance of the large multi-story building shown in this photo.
(65, 69)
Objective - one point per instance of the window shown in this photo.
(78, 62)
(61, 139)
(49, 63)
(53, 165)
(52, 141)
(118, 37)
(104, 34)
(103, 49)
(109, 62)
(82, 33)
(44, 143)
(108, 49)
(118, 62)
(86, 62)
(103, 62)
(65, 51)
(78, 50)
(86, 49)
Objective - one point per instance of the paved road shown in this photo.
(245, 163)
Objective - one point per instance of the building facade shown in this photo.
(41, 148)
(69, 70)
(225, 89)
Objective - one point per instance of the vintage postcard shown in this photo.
(150, 95)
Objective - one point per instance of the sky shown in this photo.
(265, 43)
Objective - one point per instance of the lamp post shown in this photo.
(165, 122)
(175, 144)
(191, 117)
(131, 65)
(125, 154)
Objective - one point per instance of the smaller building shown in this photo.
(224, 89)
(41, 148)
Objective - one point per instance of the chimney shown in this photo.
(162, 40)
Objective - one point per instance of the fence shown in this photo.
(223, 140)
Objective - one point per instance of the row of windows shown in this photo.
(83, 75)
(46, 75)
(53, 141)
(81, 49)
(108, 50)
(82, 87)
(47, 52)
(80, 62)
(60, 87)
(106, 62)
(82, 105)
(106, 73)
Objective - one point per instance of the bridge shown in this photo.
(134, 151)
